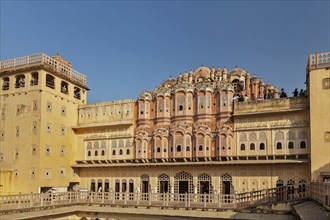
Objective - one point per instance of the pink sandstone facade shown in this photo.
(191, 117)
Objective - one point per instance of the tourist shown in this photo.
(295, 93)
(301, 93)
(283, 94)
(270, 95)
(241, 98)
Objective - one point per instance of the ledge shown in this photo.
(149, 163)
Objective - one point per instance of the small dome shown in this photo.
(202, 72)
(218, 72)
(186, 75)
(225, 71)
(237, 71)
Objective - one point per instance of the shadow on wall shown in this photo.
(323, 173)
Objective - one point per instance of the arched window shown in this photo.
(120, 152)
(302, 145)
(127, 152)
(102, 153)
(252, 146)
(178, 148)
(5, 83)
(20, 81)
(113, 152)
(95, 153)
(262, 146)
(106, 185)
(34, 78)
(187, 148)
(158, 149)
(242, 146)
(278, 145)
(93, 186)
(165, 150)
(76, 92)
(279, 183)
(64, 87)
(302, 186)
(50, 81)
(290, 145)
(89, 153)
(200, 148)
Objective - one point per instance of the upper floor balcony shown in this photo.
(57, 64)
(270, 105)
(318, 60)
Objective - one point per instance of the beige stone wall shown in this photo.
(37, 139)
(274, 131)
(319, 93)
(105, 131)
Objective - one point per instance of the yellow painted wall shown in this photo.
(27, 165)
(320, 123)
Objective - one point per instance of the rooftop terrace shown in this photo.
(56, 63)
(270, 105)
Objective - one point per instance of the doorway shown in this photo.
(183, 187)
(163, 186)
(204, 187)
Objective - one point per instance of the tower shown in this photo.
(318, 87)
(39, 98)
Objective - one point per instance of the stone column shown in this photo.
(247, 85)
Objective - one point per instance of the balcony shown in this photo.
(62, 68)
(318, 60)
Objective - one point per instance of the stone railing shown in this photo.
(321, 193)
(209, 201)
(270, 105)
(318, 60)
(43, 59)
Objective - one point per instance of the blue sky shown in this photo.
(125, 47)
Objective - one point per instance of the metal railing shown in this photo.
(43, 59)
(173, 200)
